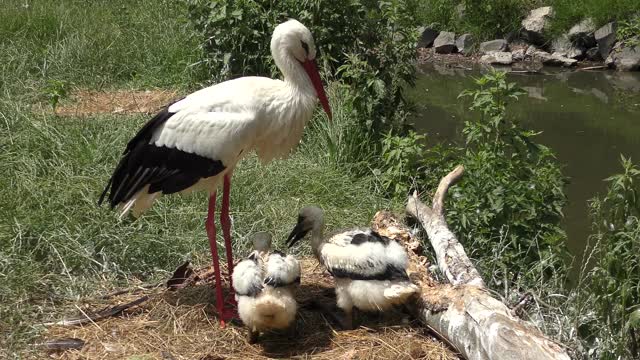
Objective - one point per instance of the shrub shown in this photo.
(371, 44)
(615, 279)
(508, 207)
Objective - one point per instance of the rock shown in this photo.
(497, 57)
(494, 45)
(427, 36)
(531, 50)
(464, 43)
(518, 55)
(563, 47)
(593, 54)
(445, 43)
(552, 59)
(625, 57)
(582, 34)
(606, 37)
(536, 23)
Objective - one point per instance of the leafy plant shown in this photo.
(508, 206)
(615, 279)
(401, 159)
(55, 91)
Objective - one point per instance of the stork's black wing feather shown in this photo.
(169, 170)
(391, 273)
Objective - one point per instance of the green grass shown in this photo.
(95, 43)
(56, 244)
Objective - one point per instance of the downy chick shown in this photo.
(370, 270)
(264, 284)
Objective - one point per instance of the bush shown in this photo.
(508, 207)
(615, 279)
(368, 45)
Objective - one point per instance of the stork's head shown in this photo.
(293, 40)
(261, 241)
(309, 218)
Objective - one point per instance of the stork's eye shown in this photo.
(305, 46)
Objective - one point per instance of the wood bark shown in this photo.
(463, 312)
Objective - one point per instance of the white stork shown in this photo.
(370, 270)
(265, 283)
(195, 143)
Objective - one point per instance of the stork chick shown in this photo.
(264, 284)
(370, 270)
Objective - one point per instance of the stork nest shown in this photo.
(176, 320)
(181, 324)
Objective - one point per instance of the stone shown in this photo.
(427, 36)
(518, 54)
(593, 54)
(464, 43)
(552, 59)
(531, 50)
(563, 47)
(497, 57)
(445, 43)
(536, 24)
(606, 37)
(625, 57)
(582, 34)
(494, 45)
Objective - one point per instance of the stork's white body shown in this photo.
(227, 121)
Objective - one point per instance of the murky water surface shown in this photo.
(588, 118)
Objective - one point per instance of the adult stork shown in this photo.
(195, 143)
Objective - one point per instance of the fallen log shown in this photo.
(462, 311)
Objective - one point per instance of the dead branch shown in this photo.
(103, 314)
(475, 323)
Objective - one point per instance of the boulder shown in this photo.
(552, 59)
(497, 57)
(593, 54)
(625, 57)
(582, 34)
(563, 47)
(427, 36)
(464, 43)
(445, 43)
(531, 50)
(606, 37)
(536, 23)
(494, 45)
(518, 54)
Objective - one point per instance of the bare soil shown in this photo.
(91, 102)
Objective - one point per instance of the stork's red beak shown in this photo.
(312, 70)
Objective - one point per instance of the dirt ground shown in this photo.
(181, 324)
(89, 102)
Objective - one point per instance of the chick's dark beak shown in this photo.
(297, 233)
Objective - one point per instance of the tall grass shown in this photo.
(95, 43)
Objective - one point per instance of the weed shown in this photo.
(55, 91)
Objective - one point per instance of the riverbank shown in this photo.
(614, 45)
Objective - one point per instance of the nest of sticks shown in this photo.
(176, 320)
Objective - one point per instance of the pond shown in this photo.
(588, 118)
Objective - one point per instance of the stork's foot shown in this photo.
(227, 315)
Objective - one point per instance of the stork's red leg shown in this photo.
(211, 233)
(225, 220)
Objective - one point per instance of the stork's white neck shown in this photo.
(292, 71)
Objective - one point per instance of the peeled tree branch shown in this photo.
(462, 311)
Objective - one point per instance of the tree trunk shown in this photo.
(462, 312)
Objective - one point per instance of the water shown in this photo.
(587, 118)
